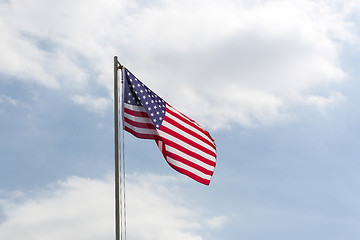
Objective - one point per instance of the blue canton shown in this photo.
(136, 93)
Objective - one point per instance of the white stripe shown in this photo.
(191, 128)
(134, 107)
(188, 168)
(189, 158)
(185, 145)
(141, 130)
(187, 125)
(188, 136)
(160, 145)
(137, 119)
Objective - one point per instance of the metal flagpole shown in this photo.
(116, 122)
(120, 205)
(122, 161)
(120, 212)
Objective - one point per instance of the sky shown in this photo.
(275, 82)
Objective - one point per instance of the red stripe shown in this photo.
(190, 174)
(186, 140)
(163, 151)
(135, 113)
(139, 124)
(188, 120)
(142, 135)
(181, 127)
(189, 163)
(188, 152)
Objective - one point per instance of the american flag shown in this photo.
(185, 145)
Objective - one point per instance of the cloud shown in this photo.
(248, 66)
(80, 208)
(324, 102)
(92, 104)
(49, 43)
(234, 62)
(217, 222)
(5, 100)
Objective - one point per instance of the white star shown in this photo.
(157, 113)
(146, 103)
(154, 119)
(155, 107)
(152, 114)
(157, 125)
(149, 108)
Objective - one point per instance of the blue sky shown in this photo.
(274, 82)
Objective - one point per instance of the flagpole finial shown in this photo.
(118, 64)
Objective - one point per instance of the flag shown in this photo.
(185, 145)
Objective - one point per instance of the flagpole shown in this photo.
(116, 123)
(122, 162)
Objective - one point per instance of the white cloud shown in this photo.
(92, 104)
(217, 222)
(243, 63)
(80, 208)
(54, 44)
(22, 59)
(5, 100)
(236, 62)
(323, 102)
